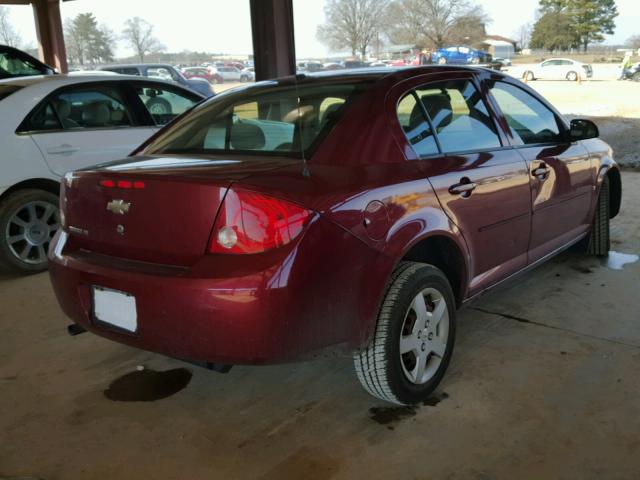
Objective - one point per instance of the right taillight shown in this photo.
(250, 222)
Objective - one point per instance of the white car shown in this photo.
(57, 123)
(559, 69)
(233, 74)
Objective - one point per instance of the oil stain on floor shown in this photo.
(389, 416)
(148, 385)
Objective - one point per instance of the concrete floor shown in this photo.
(544, 385)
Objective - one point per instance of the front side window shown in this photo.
(163, 104)
(284, 120)
(530, 120)
(459, 116)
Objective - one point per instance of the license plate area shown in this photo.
(115, 309)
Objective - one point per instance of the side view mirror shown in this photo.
(582, 129)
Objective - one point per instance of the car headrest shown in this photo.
(439, 109)
(331, 112)
(245, 136)
(96, 114)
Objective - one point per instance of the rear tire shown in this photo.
(572, 76)
(599, 239)
(408, 355)
(28, 221)
(636, 77)
(442, 61)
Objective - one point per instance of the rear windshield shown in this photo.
(285, 120)
(6, 90)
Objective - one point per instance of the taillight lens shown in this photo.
(249, 222)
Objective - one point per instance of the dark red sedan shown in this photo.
(209, 75)
(347, 212)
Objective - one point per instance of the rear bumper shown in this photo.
(226, 308)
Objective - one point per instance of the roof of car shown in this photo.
(136, 65)
(66, 79)
(377, 73)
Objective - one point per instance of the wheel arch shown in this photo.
(45, 184)
(442, 252)
(615, 191)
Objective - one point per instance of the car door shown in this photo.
(560, 171)
(482, 186)
(546, 70)
(84, 125)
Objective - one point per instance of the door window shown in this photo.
(416, 127)
(163, 104)
(77, 109)
(459, 116)
(530, 120)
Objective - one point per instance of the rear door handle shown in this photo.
(464, 188)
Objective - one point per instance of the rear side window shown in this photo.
(99, 107)
(456, 116)
(416, 127)
(530, 120)
(282, 121)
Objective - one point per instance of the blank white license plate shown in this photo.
(115, 308)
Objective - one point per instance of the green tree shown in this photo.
(352, 24)
(138, 34)
(553, 31)
(589, 20)
(86, 41)
(592, 19)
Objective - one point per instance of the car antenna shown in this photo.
(305, 168)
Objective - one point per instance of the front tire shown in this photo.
(28, 221)
(529, 76)
(412, 345)
(599, 238)
(442, 61)
(636, 77)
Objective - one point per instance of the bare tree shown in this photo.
(634, 41)
(8, 35)
(138, 34)
(523, 35)
(433, 23)
(352, 24)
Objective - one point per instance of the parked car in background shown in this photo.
(504, 62)
(461, 56)
(310, 67)
(559, 69)
(164, 72)
(54, 124)
(234, 74)
(16, 63)
(248, 75)
(209, 74)
(347, 212)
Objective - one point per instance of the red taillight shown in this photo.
(249, 222)
(125, 184)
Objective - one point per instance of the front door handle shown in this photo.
(464, 188)
(65, 149)
(541, 172)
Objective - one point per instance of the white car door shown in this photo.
(86, 125)
(547, 70)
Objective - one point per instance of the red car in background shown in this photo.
(344, 212)
(202, 72)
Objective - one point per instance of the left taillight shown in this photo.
(250, 222)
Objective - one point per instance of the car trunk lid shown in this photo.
(157, 210)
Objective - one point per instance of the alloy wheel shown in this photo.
(30, 231)
(424, 336)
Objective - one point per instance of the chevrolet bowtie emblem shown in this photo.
(119, 207)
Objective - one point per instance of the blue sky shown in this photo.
(223, 25)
